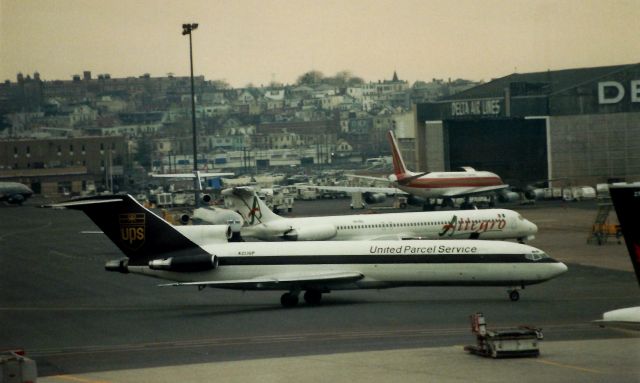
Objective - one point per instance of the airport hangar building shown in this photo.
(579, 125)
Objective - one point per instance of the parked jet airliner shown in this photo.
(431, 186)
(198, 177)
(155, 248)
(14, 193)
(262, 223)
(626, 201)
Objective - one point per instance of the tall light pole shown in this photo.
(186, 30)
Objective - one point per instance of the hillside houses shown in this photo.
(154, 113)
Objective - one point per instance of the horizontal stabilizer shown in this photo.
(191, 175)
(85, 202)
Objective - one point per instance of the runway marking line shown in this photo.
(221, 342)
(569, 366)
(71, 378)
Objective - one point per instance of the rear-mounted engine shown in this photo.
(119, 265)
(188, 263)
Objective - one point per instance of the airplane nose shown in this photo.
(532, 228)
(560, 268)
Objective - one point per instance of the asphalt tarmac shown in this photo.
(84, 324)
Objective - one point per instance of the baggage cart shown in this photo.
(511, 343)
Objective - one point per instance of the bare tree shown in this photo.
(312, 77)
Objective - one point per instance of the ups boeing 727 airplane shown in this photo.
(155, 248)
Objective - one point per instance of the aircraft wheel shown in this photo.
(289, 300)
(312, 297)
(514, 295)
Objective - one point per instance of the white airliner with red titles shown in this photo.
(262, 223)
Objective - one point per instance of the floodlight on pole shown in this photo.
(186, 30)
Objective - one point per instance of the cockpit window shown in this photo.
(536, 256)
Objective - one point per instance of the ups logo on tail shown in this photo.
(132, 227)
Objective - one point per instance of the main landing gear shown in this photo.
(311, 297)
(428, 206)
(289, 299)
(514, 295)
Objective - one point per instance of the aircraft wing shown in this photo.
(475, 191)
(357, 189)
(279, 280)
(368, 177)
(394, 237)
(191, 175)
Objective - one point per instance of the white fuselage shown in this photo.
(441, 184)
(464, 224)
(382, 263)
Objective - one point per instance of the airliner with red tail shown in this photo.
(427, 186)
(443, 185)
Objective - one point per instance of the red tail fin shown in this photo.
(626, 201)
(399, 167)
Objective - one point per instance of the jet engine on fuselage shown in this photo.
(313, 233)
(374, 197)
(188, 263)
(508, 196)
(534, 193)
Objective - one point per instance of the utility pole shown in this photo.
(186, 30)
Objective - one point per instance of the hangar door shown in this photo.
(515, 149)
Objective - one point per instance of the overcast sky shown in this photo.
(257, 41)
